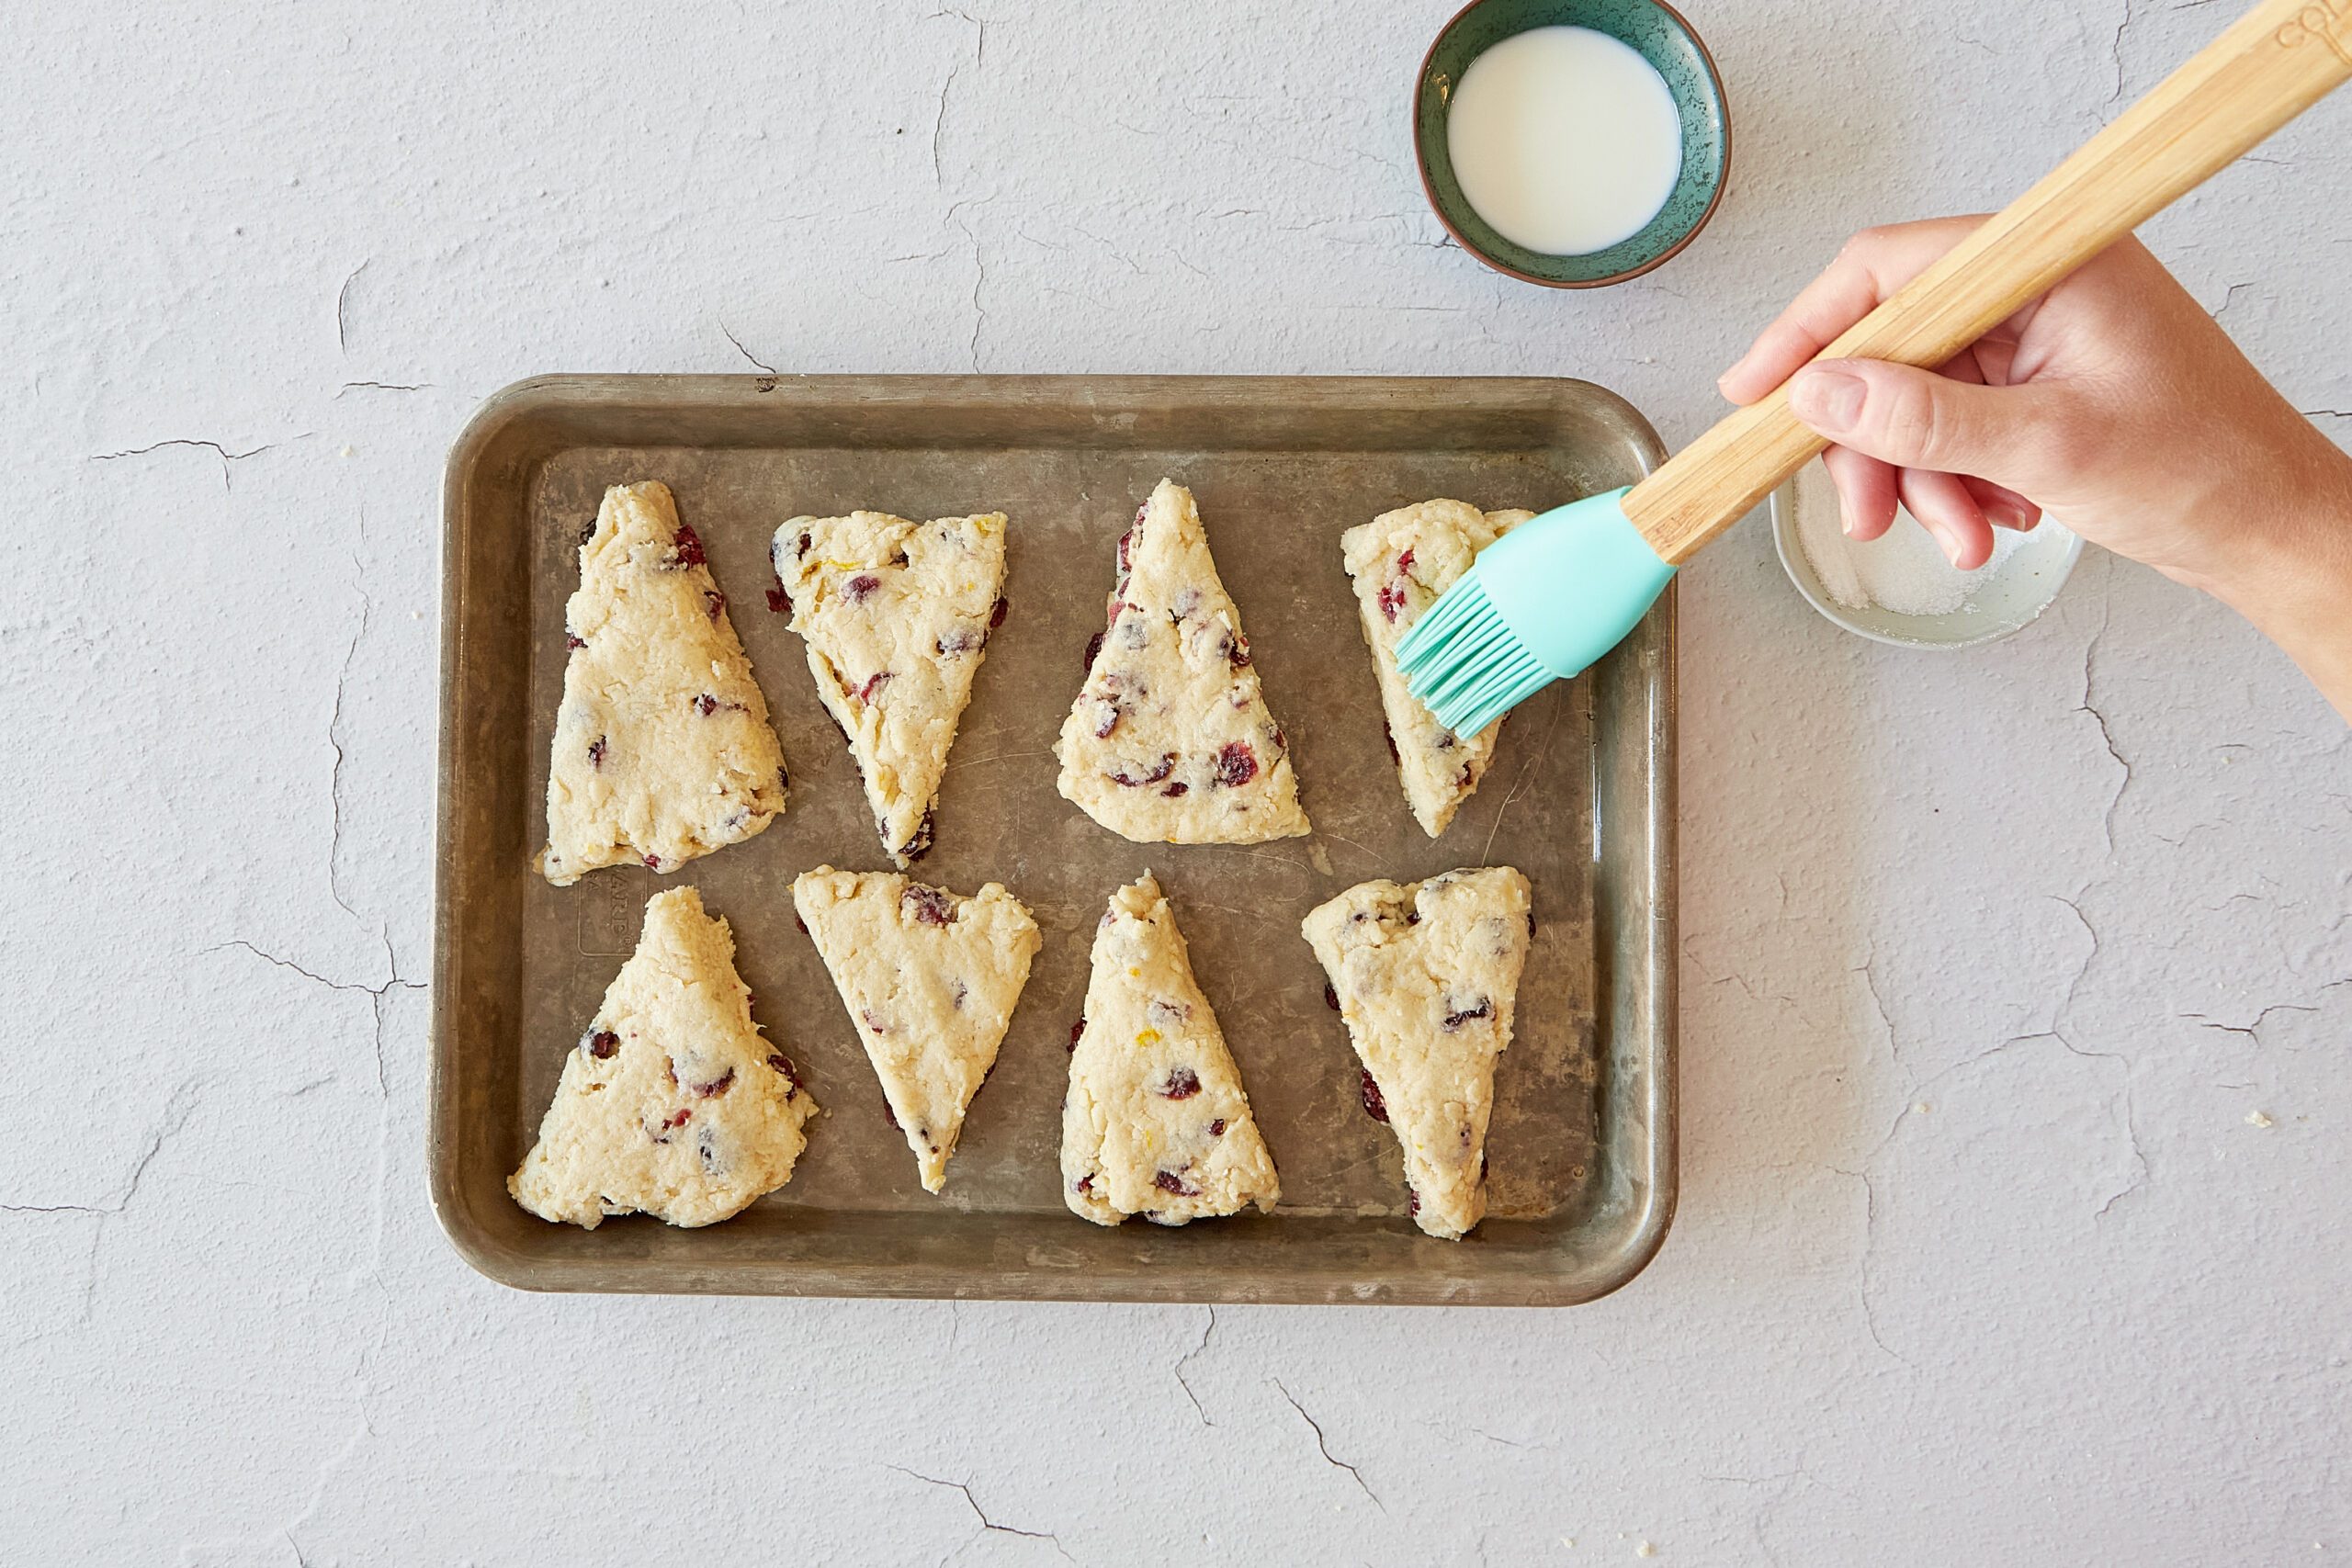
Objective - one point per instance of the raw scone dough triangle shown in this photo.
(930, 979)
(1156, 1121)
(663, 750)
(897, 615)
(671, 1104)
(1170, 740)
(1401, 561)
(1427, 975)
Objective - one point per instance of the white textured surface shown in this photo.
(2082, 896)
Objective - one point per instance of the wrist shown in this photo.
(2294, 579)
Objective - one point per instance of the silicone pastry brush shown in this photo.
(1549, 598)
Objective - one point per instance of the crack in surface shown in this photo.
(174, 1116)
(980, 278)
(342, 298)
(384, 386)
(215, 448)
(396, 981)
(1206, 1329)
(988, 1526)
(2107, 734)
(947, 88)
(746, 352)
(1323, 1444)
(1869, 1246)
(334, 731)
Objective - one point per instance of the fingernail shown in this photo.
(1845, 517)
(1829, 401)
(1948, 541)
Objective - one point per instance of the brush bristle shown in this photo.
(1464, 663)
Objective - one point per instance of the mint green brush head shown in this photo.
(1539, 604)
(1550, 597)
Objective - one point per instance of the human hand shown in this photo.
(2113, 402)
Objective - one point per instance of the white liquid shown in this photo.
(1565, 139)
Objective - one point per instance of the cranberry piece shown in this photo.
(998, 611)
(873, 684)
(1183, 1084)
(865, 1015)
(687, 550)
(713, 602)
(1106, 721)
(858, 589)
(1084, 1184)
(1237, 651)
(1075, 1031)
(1126, 547)
(717, 1085)
(920, 845)
(783, 1064)
(1412, 917)
(1330, 996)
(1281, 739)
(1482, 1007)
(1093, 649)
(803, 551)
(571, 641)
(1166, 765)
(1169, 1182)
(930, 905)
(705, 704)
(962, 639)
(1216, 1128)
(653, 863)
(1391, 598)
(684, 1114)
(1467, 778)
(596, 752)
(601, 1044)
(1179, 788)
(1374, 1106)
(1413, 1205)
(779, 602)
(1237, 765)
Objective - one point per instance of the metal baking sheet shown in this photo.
(1580, 798)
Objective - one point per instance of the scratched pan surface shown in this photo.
(1580, 798)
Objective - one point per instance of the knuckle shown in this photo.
(1917, 425)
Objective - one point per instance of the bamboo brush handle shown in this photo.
(2273, 63)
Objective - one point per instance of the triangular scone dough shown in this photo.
(1401, 561)
(1427, 975)
(1155, 1123)
(1169, 740)
(930, 979)
(663, 750)
(671, 1103)
(897, 615)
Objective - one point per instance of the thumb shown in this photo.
(1918, 419)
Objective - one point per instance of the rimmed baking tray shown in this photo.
(1581, 798)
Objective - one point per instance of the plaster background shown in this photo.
(1986, 959)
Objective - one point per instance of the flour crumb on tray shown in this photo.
(662, 749)
(1169, 740)
(930, 979)
(1427, 978)
(896, 615)
(1400, 562)
(671, 1104)
(1156, 1121)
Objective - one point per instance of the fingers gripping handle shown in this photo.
(2274, 62)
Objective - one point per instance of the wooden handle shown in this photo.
(2275, 62)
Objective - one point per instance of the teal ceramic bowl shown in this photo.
(1658, 32)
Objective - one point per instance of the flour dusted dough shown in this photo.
(1156, 1121)
(930, 979)
(663, 750)
(1426, 975)
(897, 615)
(671, 1103)
(1401, 561)
(1170, 740)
